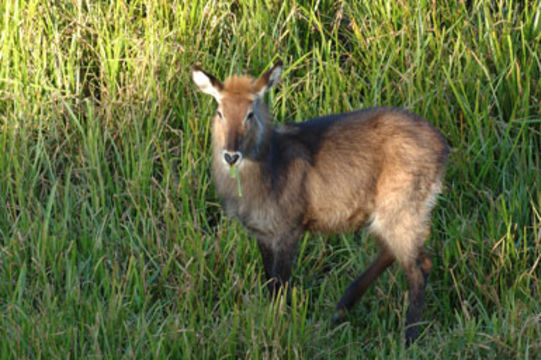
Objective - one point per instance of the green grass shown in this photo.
(112, 240)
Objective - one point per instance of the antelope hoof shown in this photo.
(412, 333)
(338, 317)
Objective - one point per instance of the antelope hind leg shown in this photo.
(358, 287)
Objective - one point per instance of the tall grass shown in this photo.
(112, 240)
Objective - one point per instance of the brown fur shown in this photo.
(241, 86)
(377, 167)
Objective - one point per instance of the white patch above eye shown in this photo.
(205, 85)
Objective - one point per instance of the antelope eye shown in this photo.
(219, 113)
(250, 116)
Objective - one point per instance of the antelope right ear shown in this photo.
(268, 79)
(207, 83)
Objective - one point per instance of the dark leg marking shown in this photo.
(358, 287)
(278, 263)
(417, 275)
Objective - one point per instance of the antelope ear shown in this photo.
(268, 79)
(207, 83)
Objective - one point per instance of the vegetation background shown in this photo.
(112, 240)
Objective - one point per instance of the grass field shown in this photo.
(112, 240)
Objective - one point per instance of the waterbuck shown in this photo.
(379, 167)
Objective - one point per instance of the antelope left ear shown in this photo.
(268, 79)
(207, 83)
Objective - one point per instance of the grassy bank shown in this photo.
(112, 240)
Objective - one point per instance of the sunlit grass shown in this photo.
(112, 240)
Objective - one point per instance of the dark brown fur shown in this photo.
(377, 167)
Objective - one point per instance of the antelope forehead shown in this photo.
(239, 85)
(235, 107)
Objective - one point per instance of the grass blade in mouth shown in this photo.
(235, 174)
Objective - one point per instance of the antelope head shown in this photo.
(242, 119)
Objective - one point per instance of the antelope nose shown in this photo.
(231, 158)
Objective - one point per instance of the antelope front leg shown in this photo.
(278, 255)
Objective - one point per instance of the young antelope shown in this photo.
(379, 168)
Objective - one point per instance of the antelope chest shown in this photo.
(260, 218)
